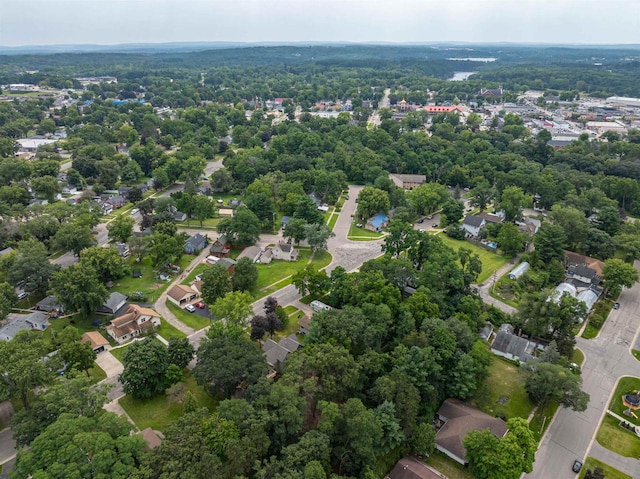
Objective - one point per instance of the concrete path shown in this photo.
(607, 358)
(109, 364)
(485, 288)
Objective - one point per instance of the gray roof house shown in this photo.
(50, 304)
(35, 321)
(195, 244)
(179, 216)
(251, 252)
(113, 303)
(472, 225)
(508, 345)
(276, 353)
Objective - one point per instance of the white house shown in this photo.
(472, 225)
(284, 251)
(135, 320)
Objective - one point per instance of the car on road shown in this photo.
(430, 217)
(421, 220)
(190, 307)
(199, 305)
(616, 305)
(134, 211)
(577, 465)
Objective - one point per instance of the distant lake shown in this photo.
(460, 76)
(475, 59)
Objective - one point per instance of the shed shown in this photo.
(519, 270)
(97, 341)
(113, 303)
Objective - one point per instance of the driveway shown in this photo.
(607, 358)
(109, 364)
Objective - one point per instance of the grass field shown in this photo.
(199, 269)
(503, 394)
(539, 425)
(119, 352)
(209, 223)
(602, 307)
(278, 270)
(333, 220)
(190, 319)
(636, 354)
(292, 326)
(490, 261)
(290, 310)
(448, 466)
(625, 385)
(578, 357)
(168, 331)
(83, 325)
(609, 472)
(362, 234)
(618, 439)
(97, 373)
(147, 283)
(160, 411)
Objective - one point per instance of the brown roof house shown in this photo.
(456, 419)
(97, 341)
(220, 247)
(408, 182)
(411, 468)
(134, 321)
(180, 294)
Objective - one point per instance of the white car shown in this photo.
(190, 307)
(134, 211)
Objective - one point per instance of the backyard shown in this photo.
(160, 411)
(491, 262)
(147, 283)
(448, 467)
(279, 270)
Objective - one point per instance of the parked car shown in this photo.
(190, 307)
(430, 217)
(134, 211)
(615, 305)
(22, 295)
(577, 465)
(199, 305)
(421, 220)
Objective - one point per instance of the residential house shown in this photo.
(492, 218)
(316, 199)
(36, 321)
(179, 216)
(377, 223)
(435, 109)
(251, 252)
(304, 325)
(113, 303)
(491, 92)
(228, 264)
(235, 203)
(180, 294)
(220, 247)
(50, 304)
(411, 468)
(472, 225)
(582, 273)
(507, 345)
(197, 287)
(408, 182)
(195, 244)
(276, 353)
(123, 249)
(205, 188)
(134, 321)
(457, 419)
(285, 252)
(266, 256)
(97, 341)
(575, 259)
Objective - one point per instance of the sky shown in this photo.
(54, 22)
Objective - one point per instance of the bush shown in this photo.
(455, 232)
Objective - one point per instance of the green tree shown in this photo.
(8, 299)
(294, 229)
(310, 281)
(317, 236)
(47, 186)
(73, 237)
(203, 208)
(107, 262)
(131, 173)
(121, 228)
(550, 242)
(482, 195)
(21, 366)
(401, 236)
(243, 228)
(510, 240)
(226, 357)
(145, 367)
(512, 201)
(616, 274)
(75, 394)
(164, 249)
(98, 446)
(74, 353)
(179, 352)
(79, 288)
(306, 209)
(453, 211)
(547, 382)
(235, 307)
(31, 269)
(572, 221)
(216, 283)
(371, 201)
(245, 275)
(427, 198)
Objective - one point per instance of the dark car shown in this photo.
(577, 465)
(616, 305)
(421, 220)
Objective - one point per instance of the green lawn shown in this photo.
(292, 325)
(333, 220)
(199, 269)
(578, 357)
(539, 425)
(290, 310)
(97, 373)
(362, 234)
(160, 411)
(168, 331)
(503, 394)
(448, 466)
(209, 223)
(147, 283)
(190, 319)
(609, 472)
(625, 385)
(490, 261)
(119, 352)
(617, 439)
(278, 270)
(636, 354)
(602, 308)
(83, 325)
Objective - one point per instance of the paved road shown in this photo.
(7, 445)
(607, 358)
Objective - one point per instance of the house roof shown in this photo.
(127, 323)
(305, 322)
(576, 259)
(251, 252)
(411, 468)
(584, 271)
(151, 438)
(516, 346)
(378, 220)
(489, 218)
(95, 339)
(50, 301)
(226, 262)
(462, 419)
(36, 320)
(410, 178)
(473, 221)
(277, 352)
(197, 286)
(179, 291)
(114, 300)
(195, 240)
(285, 247)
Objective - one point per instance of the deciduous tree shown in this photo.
(235, 307)
(216, 283)
(79, 288)
(245, 275)
(145, 367)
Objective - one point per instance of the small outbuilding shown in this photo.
(519, 270)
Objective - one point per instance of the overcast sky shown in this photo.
(46, 22)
